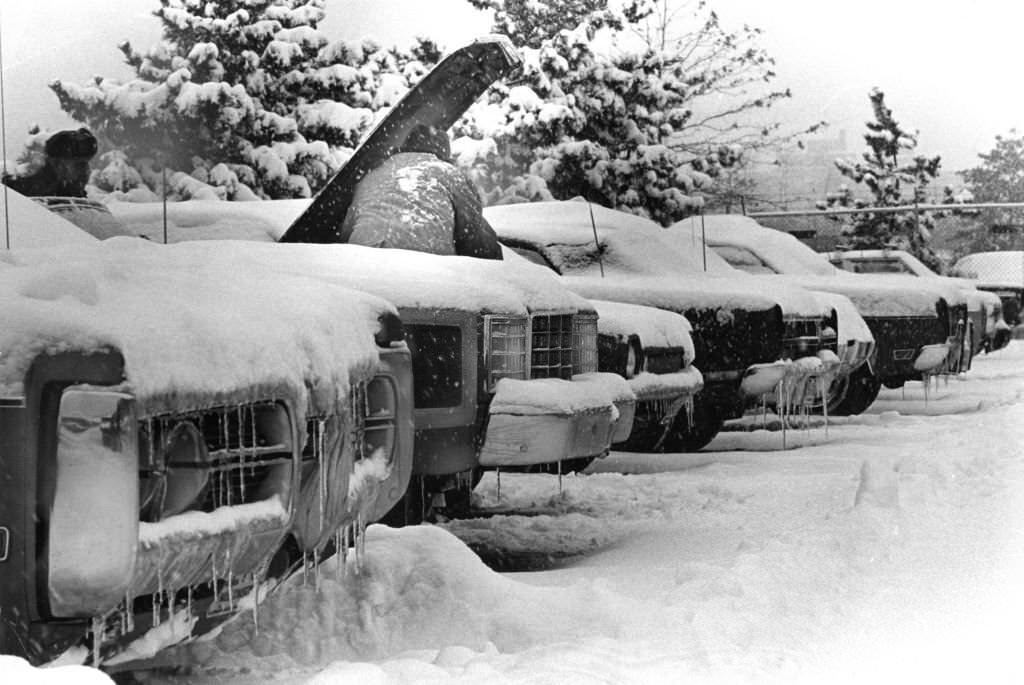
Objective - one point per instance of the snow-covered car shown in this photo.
(988, 330)
(1001, 273)
(746, 342)
(174, 430)
(919, 329)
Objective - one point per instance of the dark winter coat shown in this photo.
(416, 201)
(44, 183)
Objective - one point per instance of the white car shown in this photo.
(1001, 273)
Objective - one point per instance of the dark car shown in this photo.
(919, 330)
(988, 331)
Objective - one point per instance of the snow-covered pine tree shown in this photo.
(240, 99)
(528, 23)
(891, 183)
(604, 112)
(999, 177)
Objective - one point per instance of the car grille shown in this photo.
(803, 338)
(551, 340)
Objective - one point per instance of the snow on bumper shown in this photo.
(794, 376)
(195, 546)
(546, 420)
(652, 387)
(932, 357)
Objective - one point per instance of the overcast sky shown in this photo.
(950, 70)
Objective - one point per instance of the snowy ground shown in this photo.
(891, 550)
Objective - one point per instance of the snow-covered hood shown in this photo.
(406, 278)
(637, 262)
(797, 264)
(653, 327)
(213, 324)
(871, 297)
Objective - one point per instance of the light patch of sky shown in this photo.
(947, 69)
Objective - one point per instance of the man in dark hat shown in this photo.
(66, 169)
(417, 199)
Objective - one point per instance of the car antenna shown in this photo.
(597, 244)
(3, 143)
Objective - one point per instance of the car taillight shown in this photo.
(506, 348)
(584, 343)
(94, 522)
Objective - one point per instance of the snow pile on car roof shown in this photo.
(262, 221)
(993, 268)
(778, 249)
(26, 223)
(221, 325)
(638, 262)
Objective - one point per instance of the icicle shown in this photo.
(156, 609)
(764, 412)
(559, 476)
(257, 584)
(688, 405)
(339, 561)
(126, 614)
(305, 567)
(231, 579)
(226, 437)
(360, 543)
(97, 639)
(321, 466)
(823, 385)
(344, 546)
(188, 603)
(213, 570)
(497, 473)
(927, 381)
(781, 407)
(241, 451)
(316, 569)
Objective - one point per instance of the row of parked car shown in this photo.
(183, 424)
